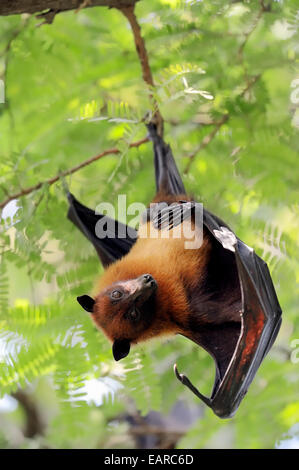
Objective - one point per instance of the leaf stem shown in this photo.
(70, 171)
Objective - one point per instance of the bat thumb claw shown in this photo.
(179, 376)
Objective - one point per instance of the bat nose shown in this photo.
(145, 286)
(148, 280)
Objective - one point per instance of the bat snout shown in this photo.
(147, 280)
(145, 287)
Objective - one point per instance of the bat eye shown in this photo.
(116, 295)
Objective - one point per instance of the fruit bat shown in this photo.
(219, 295)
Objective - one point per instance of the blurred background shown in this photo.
(70, 90)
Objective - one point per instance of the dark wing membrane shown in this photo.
(168, 179)
(118, 239)
(238, 356)
(261, 320)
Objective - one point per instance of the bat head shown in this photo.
(124, 311)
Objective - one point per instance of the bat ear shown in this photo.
(86, 302)
(120, 348)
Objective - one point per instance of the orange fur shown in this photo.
(173, 267)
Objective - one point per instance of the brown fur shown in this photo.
(176, 271)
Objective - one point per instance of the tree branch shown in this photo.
(16, 7)
(33, 424)
(209, 137)
(249, 83)
(129, 13)
(247, 35)
(70, 171)
(249, 32)
(156, 430)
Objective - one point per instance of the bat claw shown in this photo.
(179, 376)
(185, 381)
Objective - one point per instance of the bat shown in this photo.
(219, 295)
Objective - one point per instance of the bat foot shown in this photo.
(185, 381)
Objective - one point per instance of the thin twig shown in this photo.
(70, 171)
(6, 54)
(209, 137)
(247, 35)
(250, 31)
(129, 13)
(252, 81)
(206, 140)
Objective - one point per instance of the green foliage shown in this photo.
(74, 89)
